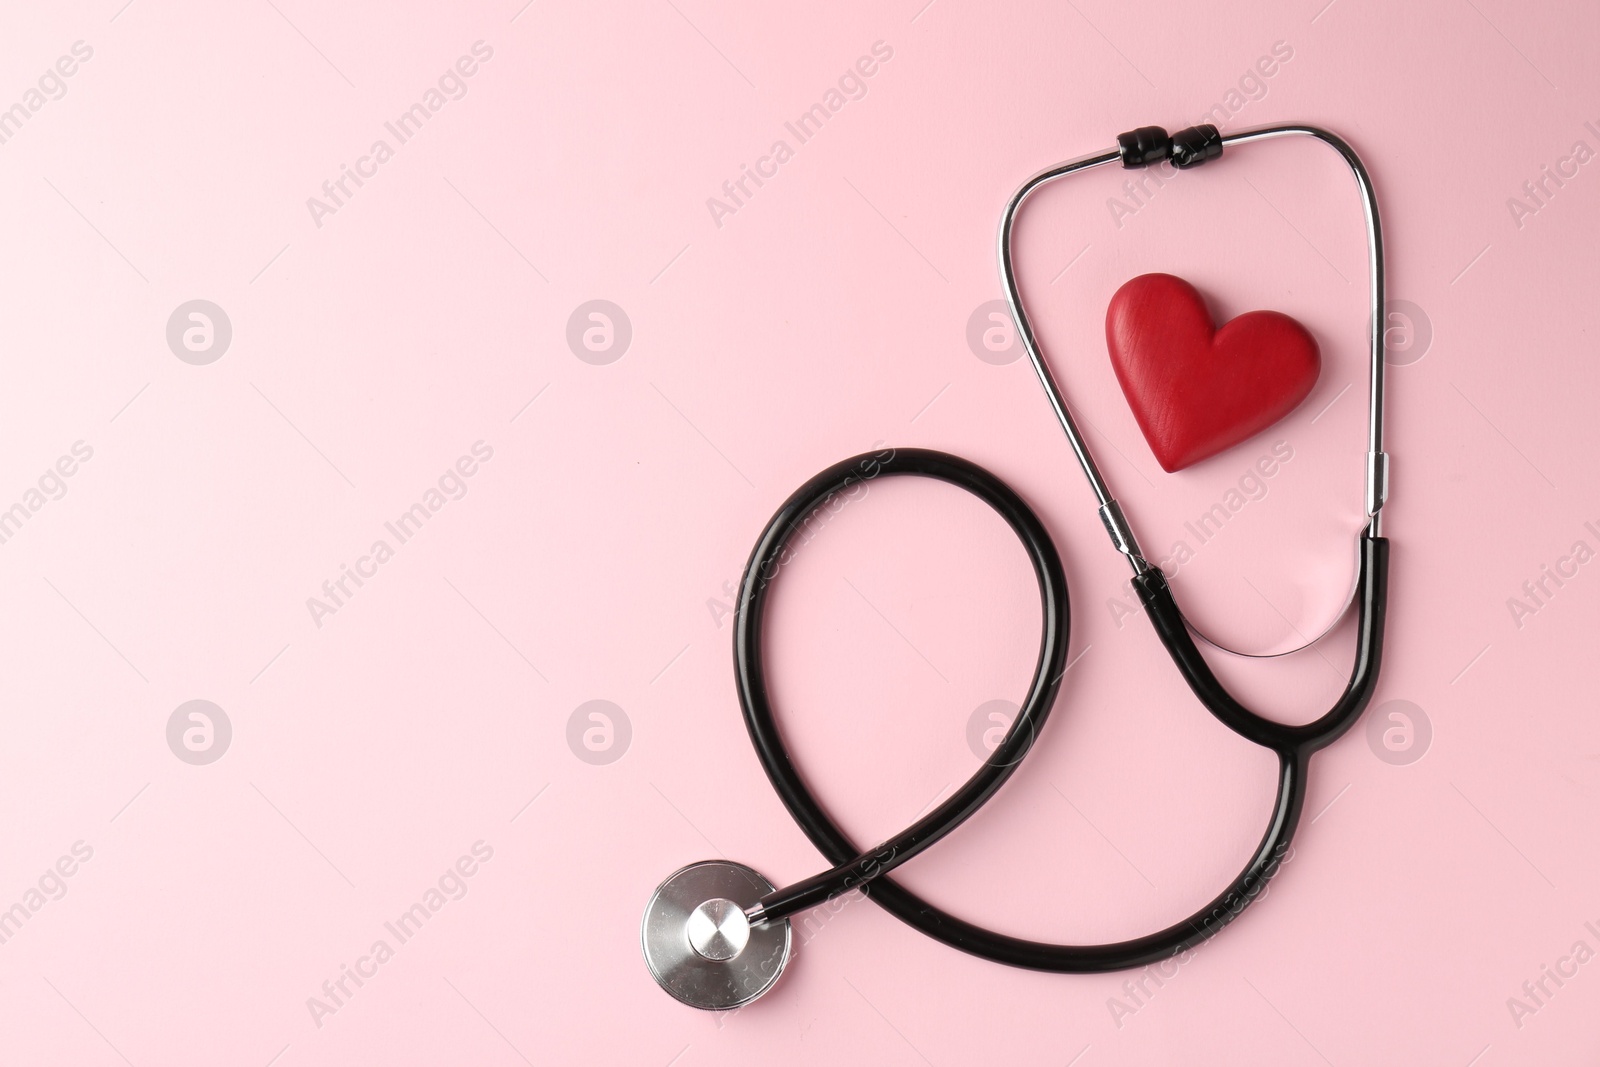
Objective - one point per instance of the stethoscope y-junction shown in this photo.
(716, 934)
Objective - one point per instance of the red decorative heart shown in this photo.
(1196, 389)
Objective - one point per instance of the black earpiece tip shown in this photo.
(1144, 146)
(1195, 145)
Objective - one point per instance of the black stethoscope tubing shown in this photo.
(867, 869)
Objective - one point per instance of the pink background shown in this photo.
(588, 557)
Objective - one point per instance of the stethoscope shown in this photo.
(716, 934)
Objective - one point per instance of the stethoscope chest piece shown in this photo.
(699, 943)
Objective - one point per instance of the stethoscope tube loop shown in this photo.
(857, 867)
(867, 869)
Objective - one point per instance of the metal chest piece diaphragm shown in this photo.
(699, 943)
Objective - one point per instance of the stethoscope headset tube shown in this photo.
(868, 869)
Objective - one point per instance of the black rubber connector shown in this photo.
(1144, 146)
(1187, 148)
(1194, 146)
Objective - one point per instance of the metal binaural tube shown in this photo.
(1110, 512)
(1377, 462)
